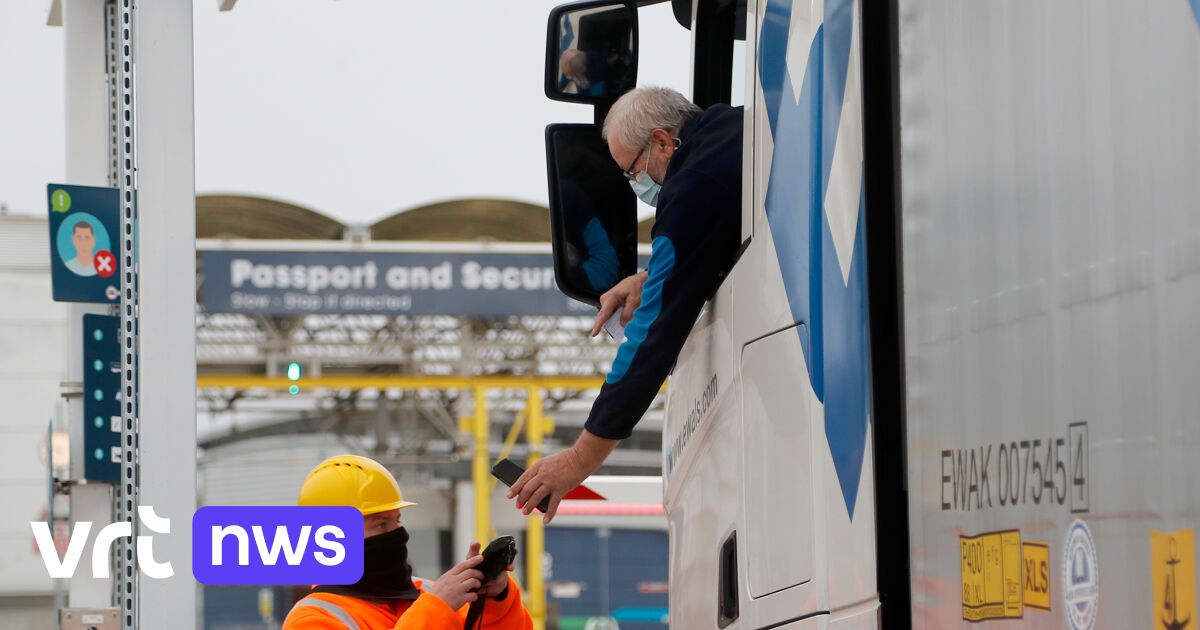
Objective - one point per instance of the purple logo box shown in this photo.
(277, 545)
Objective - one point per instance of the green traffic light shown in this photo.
(293, 371)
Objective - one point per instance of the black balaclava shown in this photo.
(386, 572)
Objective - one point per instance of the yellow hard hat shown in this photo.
(352, 480)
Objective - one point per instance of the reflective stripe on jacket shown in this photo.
(327, 611)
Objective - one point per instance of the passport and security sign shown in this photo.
(84, 243)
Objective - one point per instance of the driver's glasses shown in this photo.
(629, 173)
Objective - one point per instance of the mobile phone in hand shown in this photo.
(509, 472)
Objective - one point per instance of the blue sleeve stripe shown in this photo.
(662, 263)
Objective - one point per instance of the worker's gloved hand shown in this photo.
(458, 586)
(626, 296)
(496, 586)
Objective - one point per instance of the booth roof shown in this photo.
(461, 220)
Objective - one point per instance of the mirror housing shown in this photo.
(593, 213)
(591, 51)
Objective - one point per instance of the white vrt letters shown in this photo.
(104, 540)
(101, 548)
(145, 549)
(338, 549)
(45, 544)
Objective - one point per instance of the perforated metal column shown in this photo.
(112, 70)
(127, 498)
(112, 35)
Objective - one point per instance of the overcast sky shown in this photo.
(354, 108)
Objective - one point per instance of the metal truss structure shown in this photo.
(414, 419)
(420, 345)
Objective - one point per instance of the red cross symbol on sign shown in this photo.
(104, 263)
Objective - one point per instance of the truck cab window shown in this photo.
(719, 41)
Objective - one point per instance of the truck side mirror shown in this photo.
(591, 51)
(593, 213)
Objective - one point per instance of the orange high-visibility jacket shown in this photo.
(327, 611)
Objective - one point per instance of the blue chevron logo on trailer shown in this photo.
(825, 275)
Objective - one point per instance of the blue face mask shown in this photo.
(646, 188)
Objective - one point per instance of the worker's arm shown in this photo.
(429, 612)
(502, 609)
(507, 613)
(311, 618)
(436, 607)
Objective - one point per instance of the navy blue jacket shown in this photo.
(696, 234)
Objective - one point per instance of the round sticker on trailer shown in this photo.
(1081, 577)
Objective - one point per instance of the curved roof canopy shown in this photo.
(467, 220)
(239, 216)
(249, 217)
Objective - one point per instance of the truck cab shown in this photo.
(768, 462)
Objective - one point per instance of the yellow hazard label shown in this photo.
(1036, 574)
(991, 576)
(1173, 572)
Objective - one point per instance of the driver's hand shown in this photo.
(626, 296)
(554, 476)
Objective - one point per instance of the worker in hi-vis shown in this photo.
(387, 596)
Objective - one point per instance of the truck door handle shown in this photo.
(727, 582)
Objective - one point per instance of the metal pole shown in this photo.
(479, 468)
(604, 533)
(85, 106)
(60, 599)
(166, 304)
(535, 542)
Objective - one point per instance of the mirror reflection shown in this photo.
(593, 208)
(596, 53)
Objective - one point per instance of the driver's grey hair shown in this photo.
(641, 111)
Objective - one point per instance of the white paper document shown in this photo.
(614, 328)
